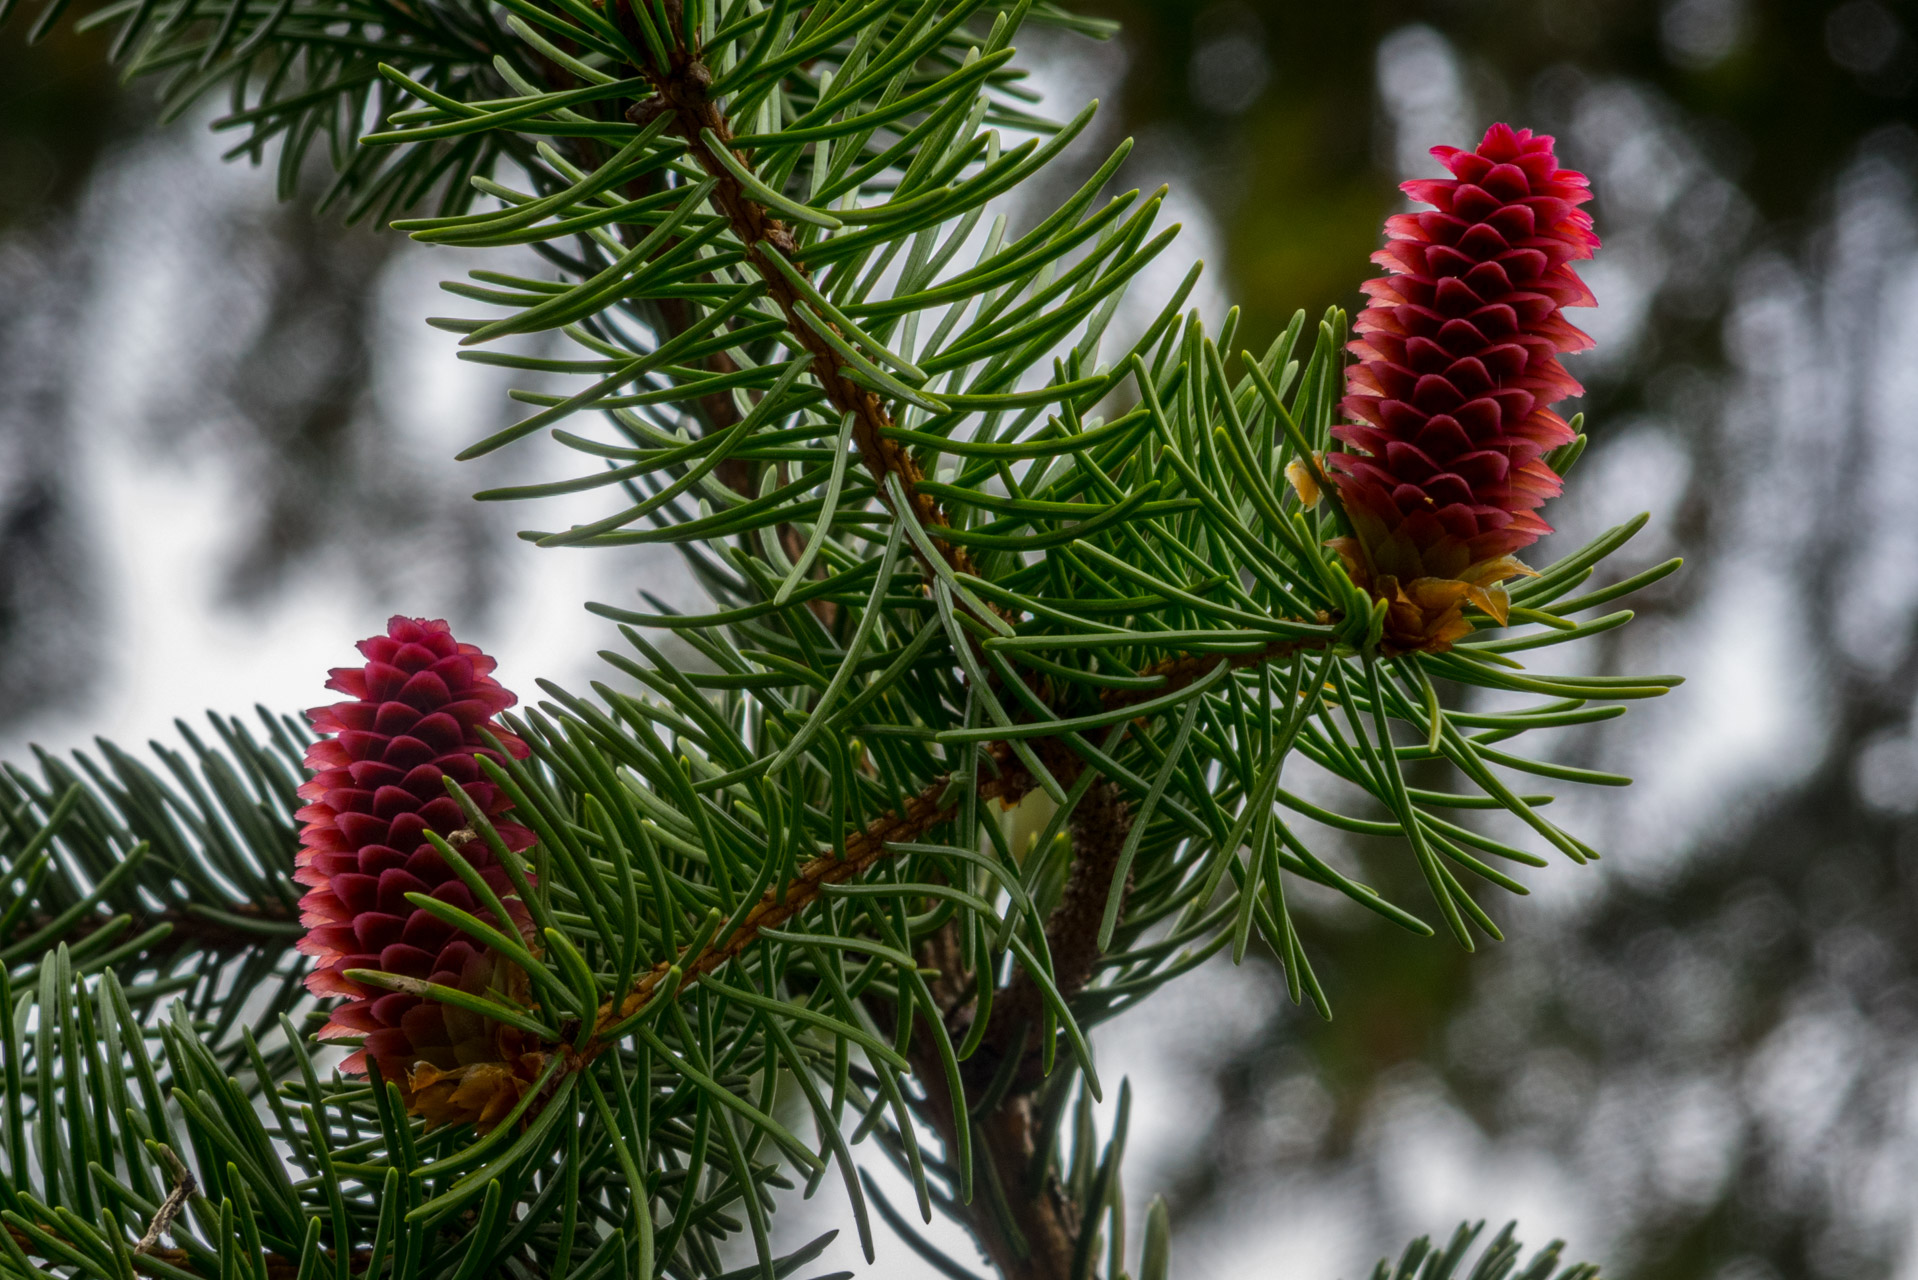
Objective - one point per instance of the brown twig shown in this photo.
(183, 1188)
(1186, 668)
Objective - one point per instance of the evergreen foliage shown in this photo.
(967, 553)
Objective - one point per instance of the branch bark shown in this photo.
(1024, 1220)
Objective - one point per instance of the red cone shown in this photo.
(412, 718)
(1458, 367)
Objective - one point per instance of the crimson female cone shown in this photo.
(1457, 370)
(413, 717)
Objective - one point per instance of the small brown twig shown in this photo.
(183, 1188)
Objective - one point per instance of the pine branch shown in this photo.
(681, 89)
(1100, 826)
(1499, 1260)
(129, 864)
(148, 1258)
(930, 809)
(238, 928)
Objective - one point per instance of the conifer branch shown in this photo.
(239, 927)
(1030, 1231)
(933, 807)
(160, 1263)
(681, 90)
(1100, 826)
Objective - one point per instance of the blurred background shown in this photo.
(224, 454)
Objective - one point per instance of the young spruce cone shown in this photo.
(1457, 369)
(413, 717)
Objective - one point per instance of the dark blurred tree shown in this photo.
(58, 111)
(1282, 101)
(281, 390)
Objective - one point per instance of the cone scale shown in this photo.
(1457, 367)
(413, 717)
